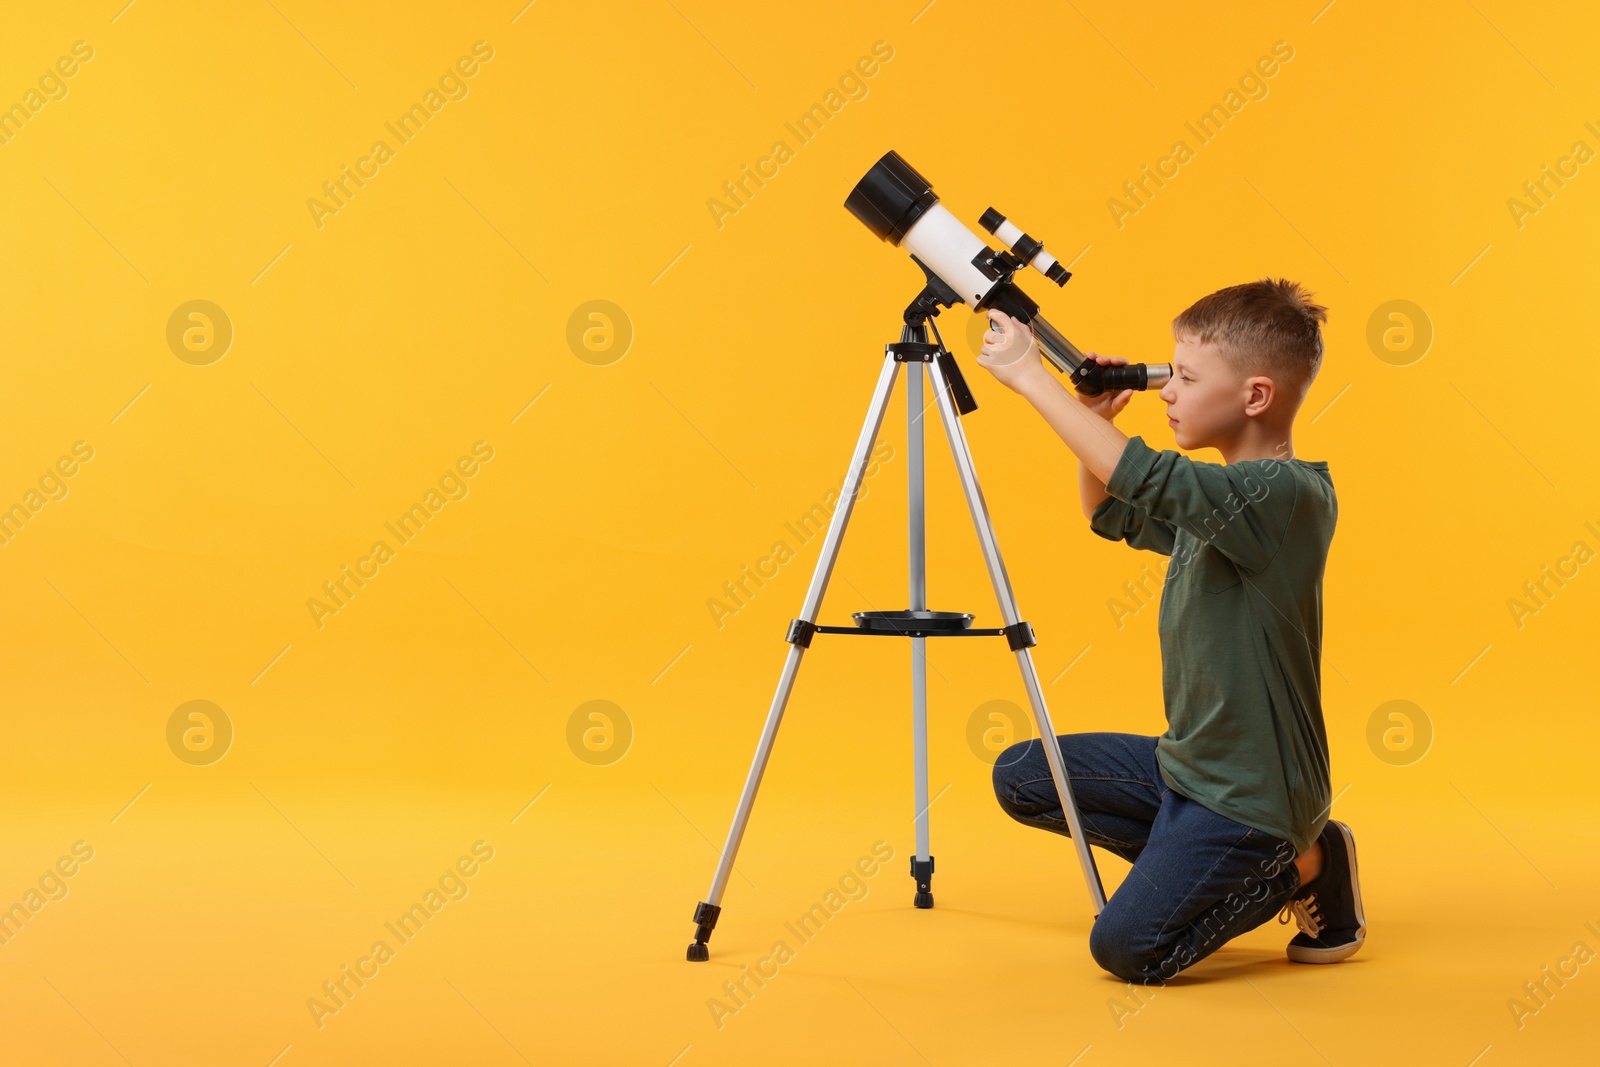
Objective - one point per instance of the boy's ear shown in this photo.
(1260, 392)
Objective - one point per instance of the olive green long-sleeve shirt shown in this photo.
(1240, 625)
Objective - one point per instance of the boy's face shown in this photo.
(1205, 397)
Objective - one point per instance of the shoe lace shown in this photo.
(1306, 913)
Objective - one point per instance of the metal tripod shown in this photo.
(918, 623)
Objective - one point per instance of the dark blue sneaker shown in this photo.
(1332, 924)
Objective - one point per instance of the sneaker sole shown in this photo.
(1302, 954)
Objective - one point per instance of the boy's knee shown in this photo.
(1004, 775)
(1110, 949)
(1117, 950)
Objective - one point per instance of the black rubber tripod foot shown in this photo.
(705, 917)
(922, 871)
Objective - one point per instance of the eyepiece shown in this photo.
(1092, 379)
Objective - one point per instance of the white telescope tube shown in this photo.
(948, 247)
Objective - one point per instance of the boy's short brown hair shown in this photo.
(1264, 327)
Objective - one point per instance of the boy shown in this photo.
(1225, 816)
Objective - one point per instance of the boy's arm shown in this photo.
(1117, 520)
(1096, 440)
(1091, 490)
(1011, 354)
(1076, 420)
(1214, 502)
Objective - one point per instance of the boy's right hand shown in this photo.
(1107, 405)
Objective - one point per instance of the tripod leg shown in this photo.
(1008, 611)
(922, 860)
(707, 911)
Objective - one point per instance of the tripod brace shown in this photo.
(953, 399)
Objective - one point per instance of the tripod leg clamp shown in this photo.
(1020, 636)
(801, 632)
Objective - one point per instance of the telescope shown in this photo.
(899, 205)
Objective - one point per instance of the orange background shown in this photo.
(433, 710)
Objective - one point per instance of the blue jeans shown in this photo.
(1198, 879)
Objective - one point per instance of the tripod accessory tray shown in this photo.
(915, 622)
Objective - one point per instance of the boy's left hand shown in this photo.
(1010, 353)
